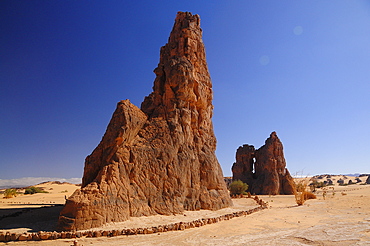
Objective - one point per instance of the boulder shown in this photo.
(23, 237)
(264, 170)
(159, 159)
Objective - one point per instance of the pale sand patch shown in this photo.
(337, 220)
(56, 195)
(38, 211)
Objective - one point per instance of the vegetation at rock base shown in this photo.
(237, 187)
(32, 190)
(9, 193)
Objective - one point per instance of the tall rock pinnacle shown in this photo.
(264, 170)
(159, 159)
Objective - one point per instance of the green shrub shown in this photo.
(316, 185)
(9, 193)
(237, 187)
(32, 190)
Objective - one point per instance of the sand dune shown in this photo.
(342, 218)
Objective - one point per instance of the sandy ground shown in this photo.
(342, 218)
(56, 195)
(39, 211)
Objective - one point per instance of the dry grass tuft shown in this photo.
(309, 195)
(301, 193)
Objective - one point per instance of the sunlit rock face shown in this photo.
(368, 180)
(264, 170)
(159, 159)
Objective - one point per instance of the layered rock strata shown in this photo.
(264, 170)
(159, 159)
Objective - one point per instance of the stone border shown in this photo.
(179, 226)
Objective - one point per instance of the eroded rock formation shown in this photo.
(264, 170)
(159, 159)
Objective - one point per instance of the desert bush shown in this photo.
(301, 185)
(32, 190)
(9, 193)
(316, 185)
(301, 194)
(237, 187)
(340, 181)
(309, 195)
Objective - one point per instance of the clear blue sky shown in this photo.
(300, 68)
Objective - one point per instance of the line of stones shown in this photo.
(6, 237)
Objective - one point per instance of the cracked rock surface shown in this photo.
(159, 159)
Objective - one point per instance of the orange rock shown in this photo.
(44, 235)
(23, 237)
(264, 170)
(159, 159)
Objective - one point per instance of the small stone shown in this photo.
(44, 235)
(23, 237)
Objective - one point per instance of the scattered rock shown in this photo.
(2, 237)
(44, 235)
(23, 237)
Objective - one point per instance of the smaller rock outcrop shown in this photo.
(368, 180)
(264, 170)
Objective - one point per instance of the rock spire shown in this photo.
(264, 170)
(159, 159)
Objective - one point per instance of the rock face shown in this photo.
(368, 180)
(264, 170)
(159, 159)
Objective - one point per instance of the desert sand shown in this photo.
(341, 217)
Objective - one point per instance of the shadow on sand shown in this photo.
(34, 219)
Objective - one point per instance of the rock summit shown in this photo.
(159, 159)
